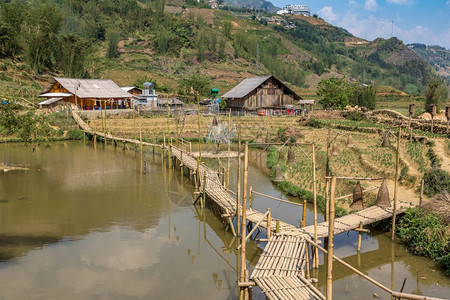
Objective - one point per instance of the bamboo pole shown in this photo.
(308, 263)
(304, 214)
(331, 240)
(359, 236)
(238, 192)
(198, 120)
(203, 202)
(393, 293)
(277, 199)
(229, 151)
(327, 197)
(244, 187)
(251, 197)
(169, 137)
(269, 224)
(397, 169)
(244, 291)
(315, 253)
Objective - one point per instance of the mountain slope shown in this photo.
(438, 57)
(253, 4)
(168, 44)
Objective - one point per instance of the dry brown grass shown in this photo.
(440, 206)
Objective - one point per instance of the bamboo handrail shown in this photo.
(355, 178)
(277, 199)
(349, 195)
(254, 228)
(393, 293)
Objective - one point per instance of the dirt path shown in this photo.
(442, 153)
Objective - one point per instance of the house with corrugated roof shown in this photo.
(87, 94)
(263, 92)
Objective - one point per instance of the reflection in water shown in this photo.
(88, 223)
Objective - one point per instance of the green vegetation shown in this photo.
(436, 92)
(130, 39)
(425, 234)
(27, 126)
(334, 92)
(294, 190)
(435, 182)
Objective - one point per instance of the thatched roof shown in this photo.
(306, 101)
(248, 85)
(91, 88)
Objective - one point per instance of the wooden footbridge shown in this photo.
(282, 271)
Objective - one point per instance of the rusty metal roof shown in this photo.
(91, 88)
(250, 84)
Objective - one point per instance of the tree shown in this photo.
(364, 96)
(72, 55)
(39, 36)
(227, 29)
(196, 83)
(435, 93)
(335, 92)
(112, 40)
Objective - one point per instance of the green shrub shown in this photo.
(355, 116)
(75, 134)
(425, 234)
(313, 122)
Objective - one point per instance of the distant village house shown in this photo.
(86, 94)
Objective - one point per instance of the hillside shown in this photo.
(438, 57)
(253, 4)
(176, 45)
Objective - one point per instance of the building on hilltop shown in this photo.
(265, 92)
(295, 9)
(87, 94)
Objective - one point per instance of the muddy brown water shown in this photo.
(87, 223)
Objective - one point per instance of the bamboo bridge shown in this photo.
(282, 271)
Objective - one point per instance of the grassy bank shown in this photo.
(426, 234)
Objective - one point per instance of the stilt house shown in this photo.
(88, 94)
(266, 92)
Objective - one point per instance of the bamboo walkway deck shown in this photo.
(350, 222)
(280, 270)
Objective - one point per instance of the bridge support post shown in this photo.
(203, 200)
(397, 170)
(360, 232)
(304, 214)
(269, 224)
(329, 295)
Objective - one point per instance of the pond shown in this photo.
(85, 223)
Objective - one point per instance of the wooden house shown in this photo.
(88, 94)
(132, 90)
(266, 92)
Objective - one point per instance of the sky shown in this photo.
(412, 21)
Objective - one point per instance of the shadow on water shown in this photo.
(12, 246)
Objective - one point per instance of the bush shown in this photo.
(426, 235)
(435, 182)
(355, 116)
(313, 122)
(75, 134)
